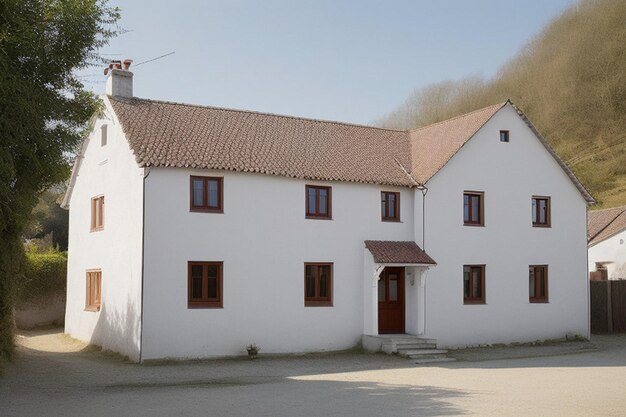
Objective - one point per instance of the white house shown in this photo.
(606, 236)
(195, 231)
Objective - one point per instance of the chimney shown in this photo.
(120, 80)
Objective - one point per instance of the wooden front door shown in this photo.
(391, 301)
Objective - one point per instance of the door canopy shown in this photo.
(398, 252)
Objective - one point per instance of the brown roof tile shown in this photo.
(603, 224)
(397, 252)
(180, 135)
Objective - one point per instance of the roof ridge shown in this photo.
(499, 105)
(310, 119)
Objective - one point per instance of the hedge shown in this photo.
(45, 274)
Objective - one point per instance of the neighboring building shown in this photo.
(195, 231)
(606, 233)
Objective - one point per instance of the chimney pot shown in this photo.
(120, 79)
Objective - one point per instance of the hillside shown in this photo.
(570, 80)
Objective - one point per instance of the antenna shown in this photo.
(154, 59)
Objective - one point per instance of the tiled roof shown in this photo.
(397, 252)
(433, 146)
(180, 135)
(603, 224)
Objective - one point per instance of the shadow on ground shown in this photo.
(55, 375)
(40, 382)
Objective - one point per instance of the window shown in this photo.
(538, 283)
(474, 284)
(207, 194)
(541, 211)
(93, 294)
(318, 284)
(473, 212)
(318, 202)
(103, 135)
(390, 206)
(204, 285)
(97, 213)
(504, 136)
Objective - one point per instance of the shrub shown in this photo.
(45, 274)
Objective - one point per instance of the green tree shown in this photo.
(48, 218)
(44, 110)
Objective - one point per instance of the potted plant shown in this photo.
(253, 350)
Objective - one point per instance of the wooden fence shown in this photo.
(608, 306)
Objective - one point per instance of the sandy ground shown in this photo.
(53, 375)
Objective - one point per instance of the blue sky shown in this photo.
(352, 61)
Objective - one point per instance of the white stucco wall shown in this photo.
(612, 252)
(264, 240)
(509, 174)
(110, 171)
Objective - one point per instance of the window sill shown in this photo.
(97, 229)
(201, 210)
(201, 305)
(391, 220)
(474, 302)
(537, 301)
(318, 218)
(474, 224)
(318, 304)
(544, 226)
(91, 309)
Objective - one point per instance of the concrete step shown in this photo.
(432, 356)
(392, 345)
(415, 348)
(421, 361)
(408, 338)
(400, 346)
(420, 352)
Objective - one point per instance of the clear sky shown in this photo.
(352, 61)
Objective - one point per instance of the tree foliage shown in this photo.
(48, 219)
(570, 80)
(44, 109)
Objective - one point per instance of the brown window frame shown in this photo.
(97, 213)
(537, 297)
(384, 201)
(473, 299)
(536, 212)
(205, 301)
(481, 208)
(329, 200)
(318, 301)
(507, 136)
(93, 290)
(205, 208)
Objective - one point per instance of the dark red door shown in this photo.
(391, 301)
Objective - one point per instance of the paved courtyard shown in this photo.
(53, 375)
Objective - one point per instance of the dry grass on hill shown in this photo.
(570, 80)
